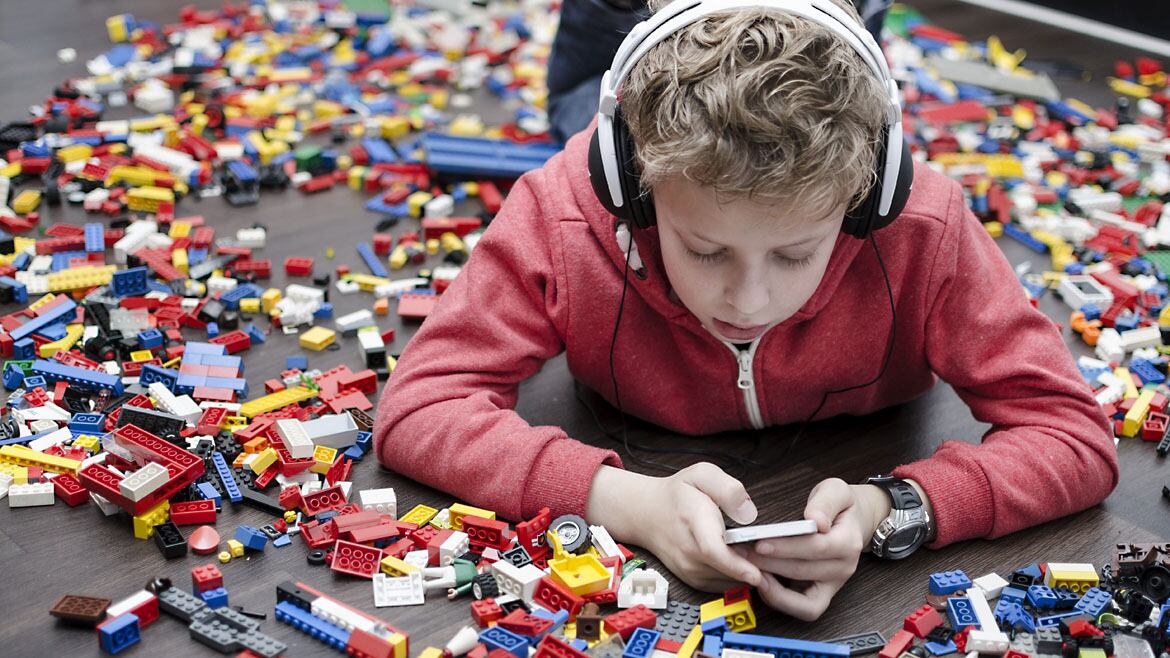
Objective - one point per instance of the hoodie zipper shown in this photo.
(746, 380)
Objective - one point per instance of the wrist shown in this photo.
(609, 504)
(876, 506)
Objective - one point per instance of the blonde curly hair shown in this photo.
(757, 104)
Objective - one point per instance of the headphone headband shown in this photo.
(680, 13)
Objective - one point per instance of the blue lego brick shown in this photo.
(129, 282)
(379, 150)
(324, 311)
(231, 299)
(558, 618)
(481, 156)
(1009, 614)
(236, 384)
(641, 643)
(19, 290)
(716, 626)
(1066, 599)
(377, 205)
(13, 376)
(95, 237)
(495, 637)
(960, 613)
(940, 649)
(35, 381)
(251, 538)
(24, 349)
(1054, 619)
(297, 361)
(214, 598)
(212, 329)
(256, 334)
(1146, 371)
(208, 492)
(315, 627)
(223, 361)
(86, 380)
(242, 171)
(780, 646)
(1041, 597)
(225, 476)
(1093, 602)
(713, 645)
(55, 331)
(281, 541)
(63, 310)
(579, 645)
(948, 582)
(120, 632)
(87, 422)
(371, 259)
(1023, 237)
(193, 348)
(150, 338)
(185, 384)
(1015, 594)
(151, 373)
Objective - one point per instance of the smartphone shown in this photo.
(769, 531)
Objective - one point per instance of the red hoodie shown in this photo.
(547, 275)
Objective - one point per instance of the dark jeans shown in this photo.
(587, 39)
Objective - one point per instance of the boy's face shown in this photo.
(738, 266)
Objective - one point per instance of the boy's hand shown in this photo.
(679, 519)
(814, 567)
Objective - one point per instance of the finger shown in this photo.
(839, 543)
(827, 500)
(727, 492)
(707, 533)
(811, 570)
(806, 606)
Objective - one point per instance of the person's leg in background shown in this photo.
(589, 34)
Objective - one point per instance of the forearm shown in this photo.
(614, 496)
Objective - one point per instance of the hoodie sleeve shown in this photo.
(446, 417)
(1050, 450)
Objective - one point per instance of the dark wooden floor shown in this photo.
(47, 552)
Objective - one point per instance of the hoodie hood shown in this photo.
(655, 289)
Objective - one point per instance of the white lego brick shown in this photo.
(739, 653)
(351, 322)
(254, 238)
(129, 603)
(382, 501)
(442, 519)
(233, 407)
(304, 294)
(182, 406)
(991, 585)
(221, 284)
(370, 342)
(398, 286)
(38, 426)
(346, 488)
(6, 481)
(440, 206)
(520, 582)
(988, 643)
(144, 481)
(1079, 289)
(332, 430)
(107, 508)
(340, 615)
(31, 495)
(398, 591)
(452, 547)
(982, 611)
(295, 439)
(51, 439)
(346, 287)
(418, 559)
(1133, 339)
(603, 542)
(1109, 346)
(644, 586)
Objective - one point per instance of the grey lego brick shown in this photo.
(677, 620)
(862, 643)
(177, 603)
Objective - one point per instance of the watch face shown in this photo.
(905, 539)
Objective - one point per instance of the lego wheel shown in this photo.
(484, 586)
(1155, 582)
(573, 532)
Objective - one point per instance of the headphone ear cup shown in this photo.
(597, 180)
(640, 203)
(864, 219)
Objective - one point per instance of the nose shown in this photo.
(748, 294)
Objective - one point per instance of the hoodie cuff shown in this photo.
(561, 476)
(959, 492)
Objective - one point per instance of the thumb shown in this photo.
(727, 492)
(826, 501)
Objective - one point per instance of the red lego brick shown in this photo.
(416, 306)
(624, 622)
(195, 512)
(317, 534)
(552, 647)
(553, 596)
(355, 559)
(422, 536)
(323, 500)
(69, 489)
(485, 611)
(922, 621)
(523, 623)
(486, 533)
(298, 266)
(897, 644)
(206, 577)
(400, 548)
(530, 533)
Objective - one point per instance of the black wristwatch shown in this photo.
(908, 525)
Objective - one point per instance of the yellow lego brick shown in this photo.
(431, 652)
(1079, 577)
(179, 230)
(440, 521)
(232, 423)
(263, 460)
(10, 170)
(173, 363)
(138, 356)
(1137, 414)
(42, 301)
(392, 566)
(416, 201)
(19, 473)
(689, 645)
(323, 458)
(554, 542)
(420, 515)
(459, 510)
(269, 299)
(87, 441)
(366, 282)
(318, 338)
(145, 522)
(26, 202)
(148, 198)
(250, 305)
(1131, 389)
(739, 615)
(356, 178)
(179, 260)
(74, 153)
(25, 456)
(583, 574)
(275, 401)
(73, 333)
(80, 278)
(116, 28)
(398, 641)
(235, 548)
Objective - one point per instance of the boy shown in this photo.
(755, 131)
